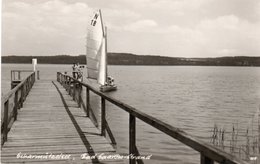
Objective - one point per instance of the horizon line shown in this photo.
(125, 53)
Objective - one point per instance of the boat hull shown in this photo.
(108, 88)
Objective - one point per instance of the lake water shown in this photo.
(192, 98)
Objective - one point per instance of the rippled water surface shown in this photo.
(192, 98)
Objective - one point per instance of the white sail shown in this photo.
(95, 37)
(102, 64)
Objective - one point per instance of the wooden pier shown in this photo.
(51, 123)
(47, 119)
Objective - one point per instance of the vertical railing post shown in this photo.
(22, 96)
(27, 87)
(5, 128)
(70, 90)
(132, 137)
(66, 83)
(11, 75)
(19, 75)
(29, 80)
(38, 75)
(18, 99)
(87, 101)
(79, 94)
(57, 77)
(32, 80)
(15, 105)
(69, 87)
(205, 160)
(74, 90)
(103, 116)
(62, 79)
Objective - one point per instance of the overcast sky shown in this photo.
(178, 28)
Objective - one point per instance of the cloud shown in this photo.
(51, 27)
(231, 35)
(187, 28)
(117, 18)
(222, 36)
(141, 26)
(243, 9)
(229, 22)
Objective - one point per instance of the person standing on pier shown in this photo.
(74, 69)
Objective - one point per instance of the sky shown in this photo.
(176, 28)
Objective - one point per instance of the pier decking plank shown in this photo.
(46, 125)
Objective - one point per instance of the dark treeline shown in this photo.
(131, 59)
(59, 59)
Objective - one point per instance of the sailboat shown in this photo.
(97, 53)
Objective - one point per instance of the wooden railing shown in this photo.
(17, 74)
(208, 153)
(11, 102)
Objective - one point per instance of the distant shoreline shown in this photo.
(147, 65)
(139, 60)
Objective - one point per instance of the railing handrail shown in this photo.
(10, 111)
(24, 70)
(11, 92)
(13, 74)
(207, 151)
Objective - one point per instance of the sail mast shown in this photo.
(103, 61)
(106, 49)
(101, 19)
(104, 30)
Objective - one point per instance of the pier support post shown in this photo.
(132, 137)
(103, 117)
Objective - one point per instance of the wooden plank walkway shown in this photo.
(50, 123)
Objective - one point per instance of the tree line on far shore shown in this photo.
(131, 59)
